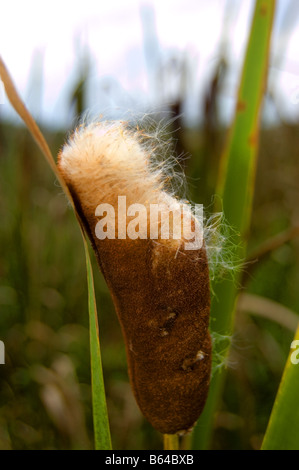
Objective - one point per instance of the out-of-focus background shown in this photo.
(178, 61)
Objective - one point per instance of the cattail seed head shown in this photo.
(159, 288)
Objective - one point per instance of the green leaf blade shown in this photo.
(99, 407)
(235, 190)
(281, 431)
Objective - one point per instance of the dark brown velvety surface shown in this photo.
(162, 300)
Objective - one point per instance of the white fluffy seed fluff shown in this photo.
(105, 160)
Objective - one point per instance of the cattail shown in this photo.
(160, 288)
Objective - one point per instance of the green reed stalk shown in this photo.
(171, 441)
(282, 431)
(235, 190)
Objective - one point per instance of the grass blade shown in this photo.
(99, 408)
(235, 188)
(282, 430)
(101, 424)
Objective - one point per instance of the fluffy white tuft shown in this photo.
(104, 160)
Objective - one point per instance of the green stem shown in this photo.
(171, 441)
(282, 430)
(235, 189)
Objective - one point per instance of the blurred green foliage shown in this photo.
(45, 393)
(45, 397)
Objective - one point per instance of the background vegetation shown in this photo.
(45, 396)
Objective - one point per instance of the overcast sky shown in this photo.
(43, 44)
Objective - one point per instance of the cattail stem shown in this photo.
(171, 441)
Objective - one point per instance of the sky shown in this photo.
(46, 44)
